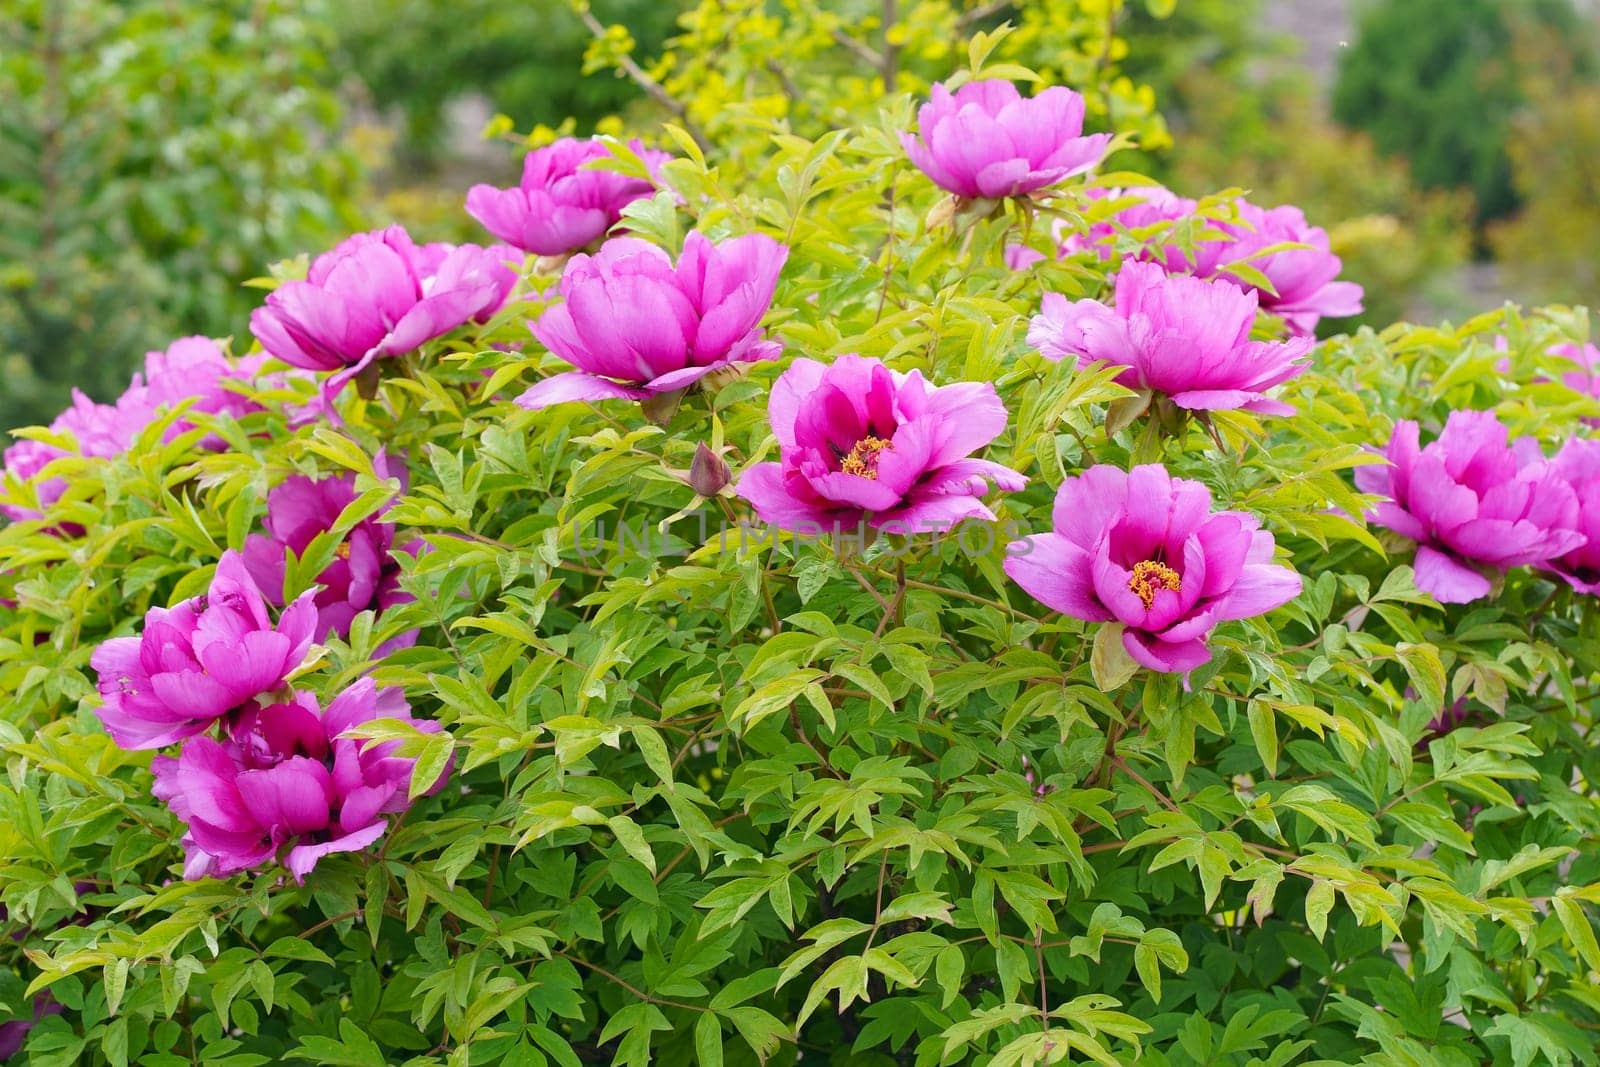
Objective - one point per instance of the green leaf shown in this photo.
(1109, 661)
(708, 1041)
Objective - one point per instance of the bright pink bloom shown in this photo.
(379, 294)
(286, 775)
(190, 367)
(1579, 463)
(196, 367)
(1185, 337)
(102, 430)
(986, 140)
(197, 662)
(363, 575)
(1585, 377)
(1148, 206)
(562, 204)
(858, 442)
(1472, 502)
(635, 325)
(1305, 278)
(1145, 549)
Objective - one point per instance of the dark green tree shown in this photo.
(1438, 81)
(415, 56)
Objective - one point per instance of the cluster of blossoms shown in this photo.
(1278, 242)
(1477, 504)
(365, 573)
(280, 771)
(380, 294)
(192, 369)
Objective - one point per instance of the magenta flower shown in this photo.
(363, 575)
(197, 662)
(1304, 281)
(1187, 338)
(196, 367)
(858, 442)
(1472, 502)
(985, 140)
(562, 204)
(15, 1032)
(378, 294)
(634, 325)
(1148, 206)
(286, 775)
(1305, 278)
(1578, 463)
(99, 431)
(1585, 376)
(190, 367)
(1144, 549)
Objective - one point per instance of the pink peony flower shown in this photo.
(364, 574)
(378, 294)
(1585, 377)
(100, 430)
(1303, 277)
(1472, 502)
(1579, 463)
(197, 662)
(1150, 206)
(985, 140)
(197, 367)
(562, 203)
(858, 442)
(1187, 338)
(1144, 549)
(15, 1032)
(285, 775)
(635, 325)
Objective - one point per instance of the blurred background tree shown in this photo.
(1551, 248)
(1439, 82)
(153, 156)
(417, 57)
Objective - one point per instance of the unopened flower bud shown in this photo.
(709, 473)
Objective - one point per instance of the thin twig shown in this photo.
(979, 13)
(867, 55)
(651, 87)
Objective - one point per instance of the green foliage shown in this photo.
(1438, 82)
(742, 70)
(750, 799)
(151, 155)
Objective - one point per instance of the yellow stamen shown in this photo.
(863, 458)
(1149, 576)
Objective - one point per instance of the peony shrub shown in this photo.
(752, 639)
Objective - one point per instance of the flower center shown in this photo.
(1149, 576)
(863, 458)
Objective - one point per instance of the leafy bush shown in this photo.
(656, 793)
